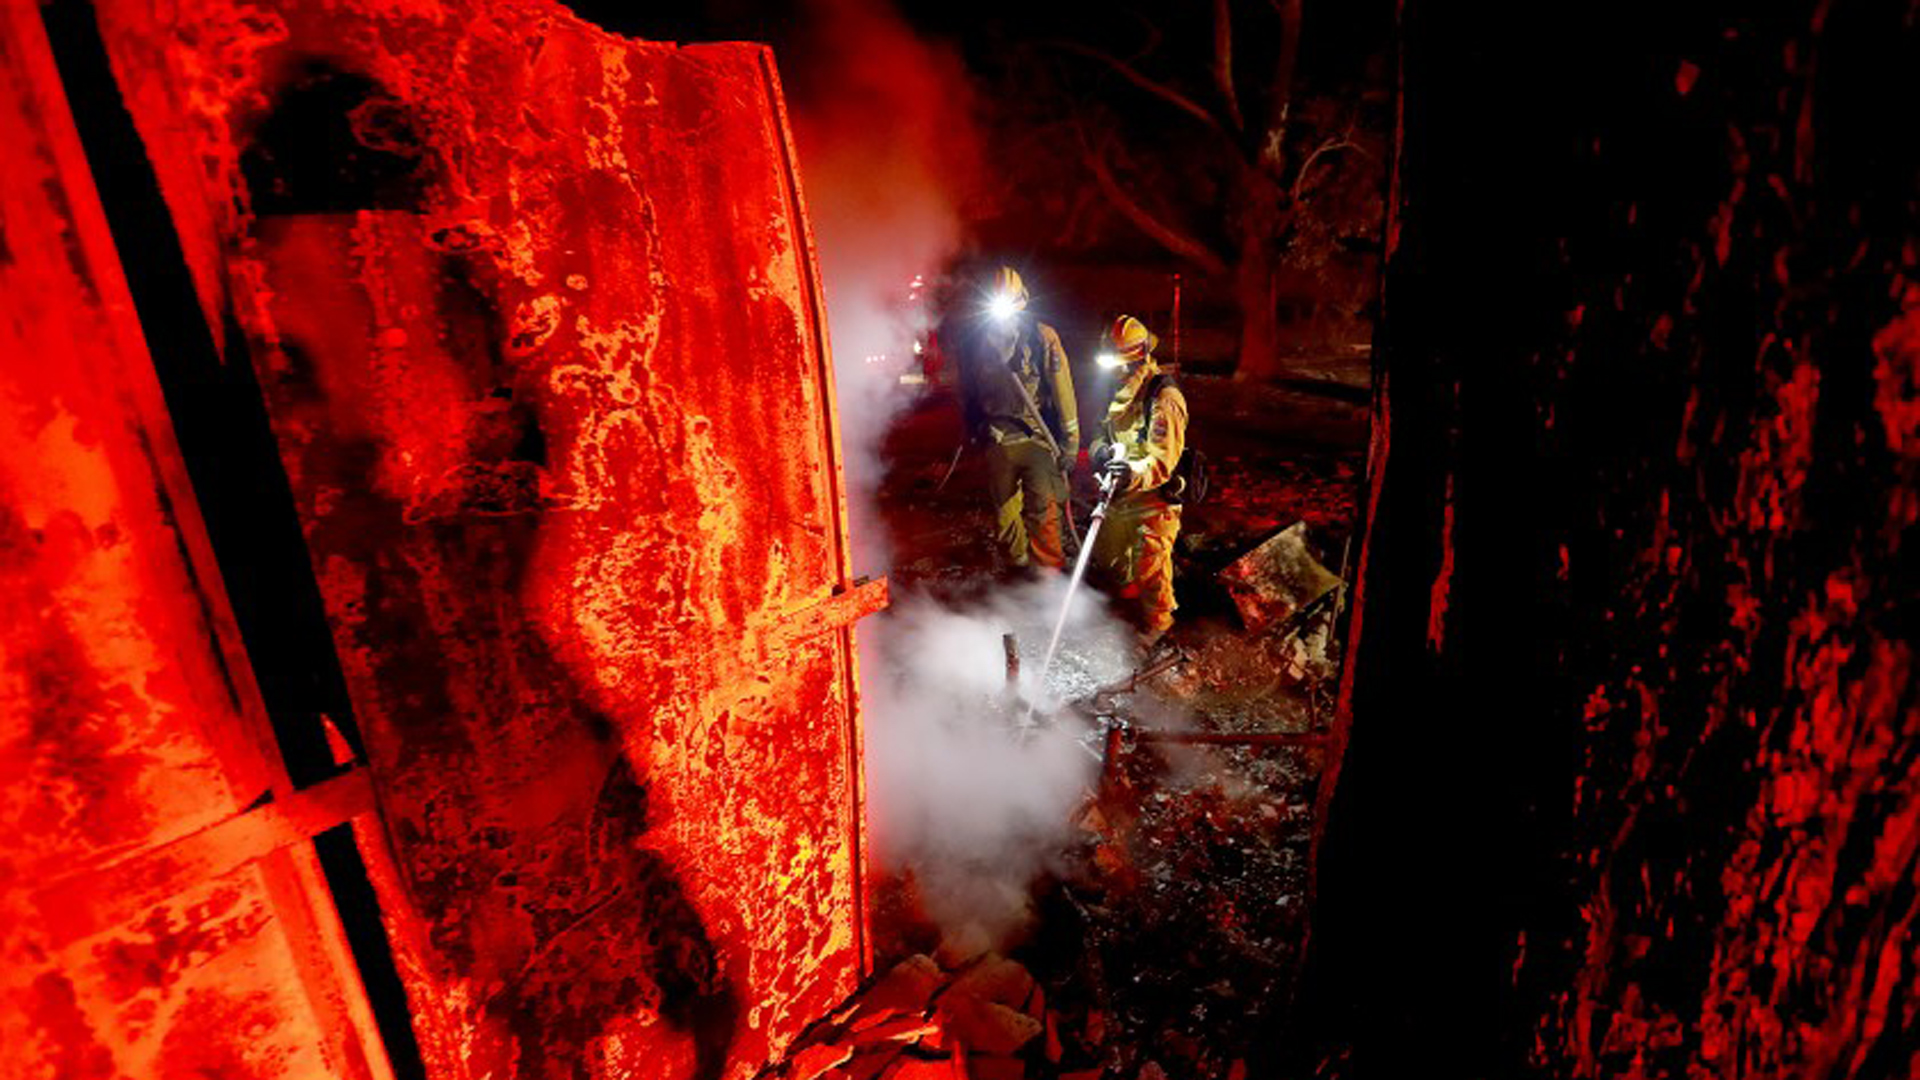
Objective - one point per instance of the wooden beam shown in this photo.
(844, 608)
(98, 897)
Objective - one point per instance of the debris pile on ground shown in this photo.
(982, 1019)
(1236, 683)
(1162, 946)
(1261, 655)
(1278, 580)
(1170, 945)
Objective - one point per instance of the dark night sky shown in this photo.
(1337, 33)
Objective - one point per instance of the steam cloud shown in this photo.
(958, 796)
(973, 810)
(884, 124)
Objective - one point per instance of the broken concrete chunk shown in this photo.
(1054, 1049)
(988, 1026)
(1277, 580)
(919, 1022)
(997, 979)
(905, 988)
(963, 945)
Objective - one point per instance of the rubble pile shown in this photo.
(1165, 944)
(1279, 674)
(1170, 947)
(982, 1019)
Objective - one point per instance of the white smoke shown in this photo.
(889, 153)
(959, 797)
(962, 794)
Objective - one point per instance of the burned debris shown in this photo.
(879, 540)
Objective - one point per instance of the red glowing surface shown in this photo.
(558, 426)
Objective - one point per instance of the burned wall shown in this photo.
(163, 913)
(525, 320)
(1630, 788)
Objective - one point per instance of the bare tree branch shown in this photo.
(1154, 38)
(1328, 147)
(1158, 89)
(1280, 104)
(1166, 234)
(1223, 62)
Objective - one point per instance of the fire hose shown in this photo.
(951, 466)
(1108, 486)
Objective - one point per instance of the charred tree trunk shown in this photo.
(1630, 784)
(1261, 225)
(1253, 291)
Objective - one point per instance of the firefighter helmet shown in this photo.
(1008, 297)
(1007, 283)
(1130, 339)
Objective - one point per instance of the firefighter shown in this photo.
(1138, 449)
(1016, 399)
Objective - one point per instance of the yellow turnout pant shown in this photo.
(1028, 495)
(1133, 557)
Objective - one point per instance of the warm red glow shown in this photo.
(559, 430)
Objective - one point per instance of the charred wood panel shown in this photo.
(533, 313)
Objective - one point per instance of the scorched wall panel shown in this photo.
(533, 312)
(130, 732)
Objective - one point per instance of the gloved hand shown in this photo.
(1116, 470)
(1065, 460)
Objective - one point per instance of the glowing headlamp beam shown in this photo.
(1003, 307)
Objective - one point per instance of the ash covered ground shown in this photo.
(1165, 925)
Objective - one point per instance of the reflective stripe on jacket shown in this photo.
(1152, 455)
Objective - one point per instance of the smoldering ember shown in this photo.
(883, 540)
